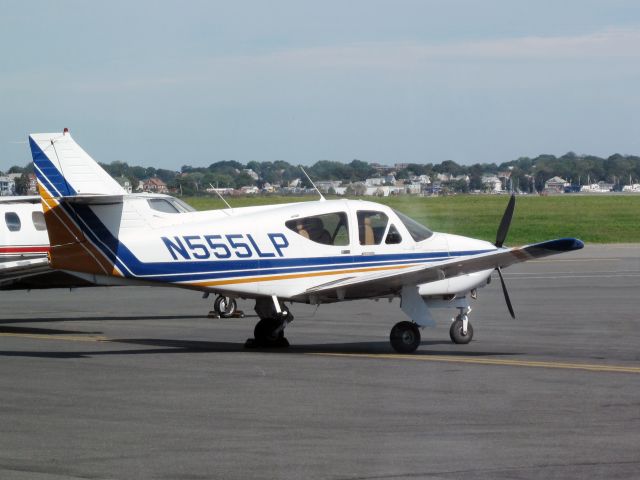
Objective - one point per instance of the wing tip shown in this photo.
(562, 244)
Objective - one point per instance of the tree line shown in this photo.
(526, 174)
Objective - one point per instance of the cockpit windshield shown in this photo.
(418, 232)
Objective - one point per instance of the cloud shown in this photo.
(606, 44)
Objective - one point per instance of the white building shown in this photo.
(7, 186)
(492, 183)
(373, 182)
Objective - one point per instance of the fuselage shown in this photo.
(277, 250)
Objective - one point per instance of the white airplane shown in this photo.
(311, 252)
(23, 243)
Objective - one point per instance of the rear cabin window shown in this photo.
(38, 221)
(13, 221)
(327, 229)
(371, 227)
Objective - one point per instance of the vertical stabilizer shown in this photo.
(65, 169)
(67, 175)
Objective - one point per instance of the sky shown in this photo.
(172, 83)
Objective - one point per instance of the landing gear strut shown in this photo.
(461, 330)
(269, 331)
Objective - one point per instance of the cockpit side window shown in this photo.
(418, 232)
(393, 236)
(371, 226)
(327, 229)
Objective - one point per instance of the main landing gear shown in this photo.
(405, 337)
(269, 331)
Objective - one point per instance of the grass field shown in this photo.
(594, 219)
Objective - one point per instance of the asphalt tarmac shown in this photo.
(137, 383)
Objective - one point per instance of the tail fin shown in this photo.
(64, 169)
(67, 174)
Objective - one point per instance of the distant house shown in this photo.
(326, 185)
(125, 183)
(7, 186)
(413, 188)
(390, 179)
(374, 182)
(153, 185)
(33, 184)
(555, 185)
(422, 179)
(249, 190)
(492, 183)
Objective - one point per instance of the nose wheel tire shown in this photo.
(457, 335)
(405, 337)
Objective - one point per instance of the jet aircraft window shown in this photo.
(418, 232)
(38, 221)
(328, 229)
(162, 205)
(371, 227)
(13, 221)
(393, 236)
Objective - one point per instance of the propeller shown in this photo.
(503, 229)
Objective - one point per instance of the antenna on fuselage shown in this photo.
(322, 199)
(222, 198)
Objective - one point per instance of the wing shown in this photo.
(385, 283)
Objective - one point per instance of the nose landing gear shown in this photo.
(461, 331)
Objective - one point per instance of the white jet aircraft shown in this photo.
(311, 252)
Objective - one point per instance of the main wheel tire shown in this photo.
(225, 306)
(455, 332)
(405, 337)
(263, 331)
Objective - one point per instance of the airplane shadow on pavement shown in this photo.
(155, 346)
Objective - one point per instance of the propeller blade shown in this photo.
(506, 294)
(503, 229)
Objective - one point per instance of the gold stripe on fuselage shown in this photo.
(290, 276)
